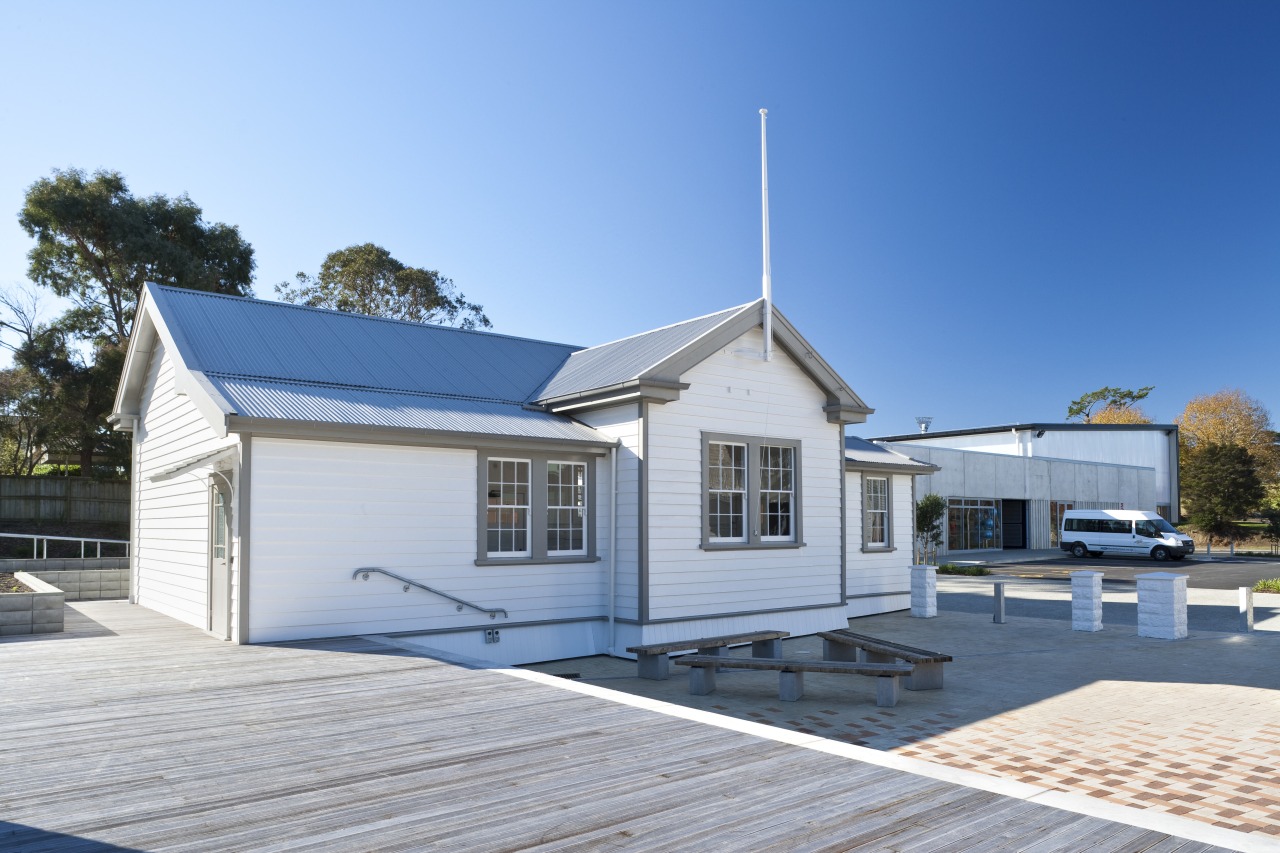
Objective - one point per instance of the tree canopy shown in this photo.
(1113, 401)
(97, 244)
(1119, 415)
(1220, 485)
(366, 279)
(1231, 416)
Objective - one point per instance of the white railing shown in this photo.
(42, 553)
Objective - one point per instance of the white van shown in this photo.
(1093, 532)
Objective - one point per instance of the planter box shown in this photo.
(38, 612)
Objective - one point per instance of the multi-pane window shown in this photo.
(566, 508)
(219, 525)
(508, 513)
(875, 528)
(777, 492)
(534, 508)
(727, 491)
(751, 491)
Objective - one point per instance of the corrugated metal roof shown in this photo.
(860, 450)
(318, 403)
(251, 337)
(627, 359)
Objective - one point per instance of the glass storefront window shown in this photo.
(1056, 509)
(973, 524)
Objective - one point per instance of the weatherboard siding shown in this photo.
(621, 423)
(323, 509)
(878, 573)
(740, 394)
(173, 515)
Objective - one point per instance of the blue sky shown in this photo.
(979, 210)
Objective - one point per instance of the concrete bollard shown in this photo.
(924, 591)
(998, 615)
(1162, 605)
(1246, 609)
(1086, 601)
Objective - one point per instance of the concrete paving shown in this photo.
(1187, 727)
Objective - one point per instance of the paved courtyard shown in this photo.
(1187, 727)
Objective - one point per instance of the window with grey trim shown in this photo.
(875, 513)
(535, 507)
(751, 492)
(507, 530)
(566, 508)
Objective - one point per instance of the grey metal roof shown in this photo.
(860, 452)
(335, 404)
(235, 336)
(285, 362)
(627, 359)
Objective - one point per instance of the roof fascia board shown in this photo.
(149, 327)
(654, 391)
(136, 360)
(843, 405)
(270, 428)
(894, 467)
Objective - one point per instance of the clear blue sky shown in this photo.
(980, 210)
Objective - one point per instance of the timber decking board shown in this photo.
(132, 729)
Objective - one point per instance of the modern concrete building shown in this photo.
(1007, 486)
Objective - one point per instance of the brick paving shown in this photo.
(1189, 727)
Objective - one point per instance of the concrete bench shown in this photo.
(702, 674)
(652, 658)
(843, 645)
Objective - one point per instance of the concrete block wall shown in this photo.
(87, 584)
(38, 612)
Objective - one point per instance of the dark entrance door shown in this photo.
(1014, 517)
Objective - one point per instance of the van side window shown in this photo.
(1146, 528)
(1116, 526)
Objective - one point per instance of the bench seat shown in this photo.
(702, 674)
(652, 657)
(843, 645)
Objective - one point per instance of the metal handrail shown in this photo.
(36, 539)
(492, 611)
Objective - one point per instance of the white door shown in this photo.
(219, 560)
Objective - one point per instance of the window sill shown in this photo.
(879, 549)
(751, 546)
(532, 561)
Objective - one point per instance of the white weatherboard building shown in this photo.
(302, 473)
(1008, 486)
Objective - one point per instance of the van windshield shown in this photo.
(1164, 526)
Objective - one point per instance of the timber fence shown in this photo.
(63, 499)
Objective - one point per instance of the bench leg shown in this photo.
(790, 686)
(654, 667)
(839, 651)
(715, 652)
(927, 676)
(886, 691)
(702, 680)
(766, 649)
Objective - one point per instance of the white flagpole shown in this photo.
(764, 214)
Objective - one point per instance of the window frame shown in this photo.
(887, 544)
(753, 540)
(538, 553)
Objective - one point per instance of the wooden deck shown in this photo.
(133, 732)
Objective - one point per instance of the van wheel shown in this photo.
(1078, 550)
(1160, 553)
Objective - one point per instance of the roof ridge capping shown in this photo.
(733, 310)
(275, 303)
